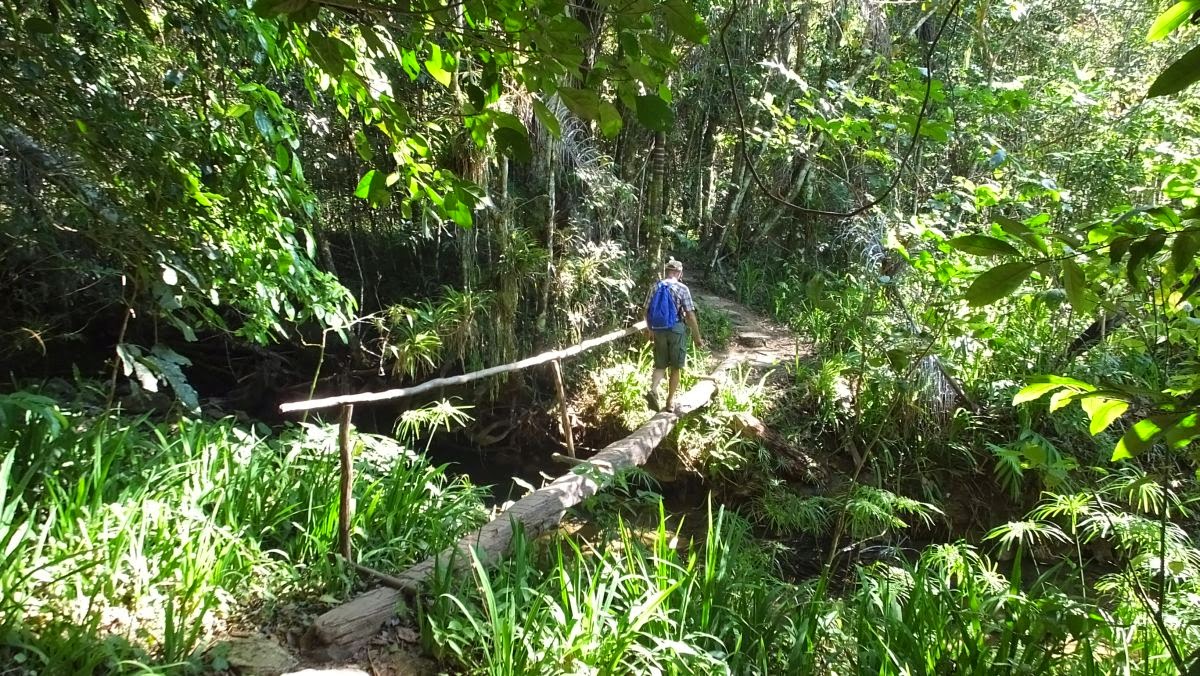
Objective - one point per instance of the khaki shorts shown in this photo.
(670, 348)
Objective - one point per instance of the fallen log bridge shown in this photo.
(339, 632)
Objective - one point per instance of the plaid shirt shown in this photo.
(680, 292)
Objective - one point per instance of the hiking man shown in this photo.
(670, 311)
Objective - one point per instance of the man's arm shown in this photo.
(690, 318)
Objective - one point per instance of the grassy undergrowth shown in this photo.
(126, 544)
(650, 602)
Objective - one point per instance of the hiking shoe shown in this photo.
(652, 401)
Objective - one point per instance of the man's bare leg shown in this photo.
(655, 380)
(672, 387)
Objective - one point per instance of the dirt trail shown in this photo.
(757, 340)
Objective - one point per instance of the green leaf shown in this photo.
(1183, 432)
(364, 184)
(1143, 249)
(272, 8)
(1018, 229)
(654, 113)
(1183, 251)
(685, 22)
(37, 24)
(1171, 19)
(1102, 412)
(548, 119)
(1139, 438)
(513, 143)
(610, 119)
(437, 65)
(326, 53)
(997, 283)
(137, 14)
(1062, 398)
(1178, 76)
(1063, 380)
(982, 245)
(362, 146)
(1075, 285)
(583, 102)
(1034, 392)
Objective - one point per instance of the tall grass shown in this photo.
(649, 602)
(125, 541)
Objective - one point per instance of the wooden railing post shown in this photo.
(562, 407)
(345, 510)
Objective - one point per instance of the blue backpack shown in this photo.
(663, 313)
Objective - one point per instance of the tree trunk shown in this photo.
(551, 207)
(657, 202)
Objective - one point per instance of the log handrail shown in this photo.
(328, 402)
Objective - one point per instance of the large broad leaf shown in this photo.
(684, 21)
(610, 119)
(1019, 229)
(655, 113)
(1178, 76)
(583, 102)
(997, 283)
(271, 8)
(1034, 392)
(1075, 285)
(513, 143)
(1183, 432)
(548, 119)
(1142, 436)
(326, 52)
(364, 184)
(982, 245)
(1141, 250)
(373, 187)
(1171, 19)
(1183, 251)
(1102, 412)
(439, 64)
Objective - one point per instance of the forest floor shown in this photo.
(755, 340)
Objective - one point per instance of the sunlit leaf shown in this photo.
(1139, 438)
(437, 65)
(364, 184)
(1034, 392)
(1102, 412)
(1171, 19)
(1183, 431)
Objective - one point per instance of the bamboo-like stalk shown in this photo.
(556, 366)
(364, 397)
(347, 481)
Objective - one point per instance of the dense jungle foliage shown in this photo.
(981, 220)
